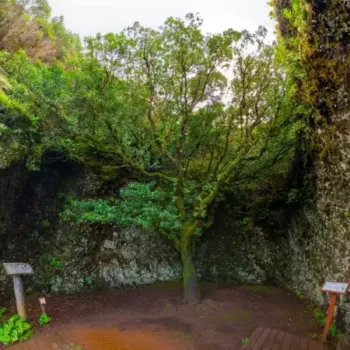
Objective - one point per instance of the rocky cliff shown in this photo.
(318, 246)
(69, 258)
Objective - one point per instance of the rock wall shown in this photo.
(318, 244)
(103, 257)
(10, 187)
(319, 238)
(230, 254)
(69, 258)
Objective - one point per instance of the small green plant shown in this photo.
(55, 262)
(44, 319)
(16, 329)
(30, 290)
(300, 295)
(89, 281)
(45, 223)
(321, 319)
(50, 269)
(245, 341)
(320, 316)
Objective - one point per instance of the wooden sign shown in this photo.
(18, 269)
(335, 287)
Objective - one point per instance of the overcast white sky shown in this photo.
(88, 17)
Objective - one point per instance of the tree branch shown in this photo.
(134, 165)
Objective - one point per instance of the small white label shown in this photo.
(42, 301)
(335, 287)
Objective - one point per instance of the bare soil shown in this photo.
(154, 317)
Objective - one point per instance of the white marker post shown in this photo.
(42, 302)
(16, 270)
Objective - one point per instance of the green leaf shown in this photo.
(14, 336)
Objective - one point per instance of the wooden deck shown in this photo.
(272, 339)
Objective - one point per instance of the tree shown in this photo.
(186, 126)
(35, 105)
(36, 8)
(27, 25)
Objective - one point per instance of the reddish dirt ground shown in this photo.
(154, 317)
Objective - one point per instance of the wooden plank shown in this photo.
(278, 341)
(315, 345)
(270, 340)
(296, 342)
(286, 342)
(304, 343)
(267, 339)
(260, 342)
(255, 336)
(341, 345)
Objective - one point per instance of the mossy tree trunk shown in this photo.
(189, 272)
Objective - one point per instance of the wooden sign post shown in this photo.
(334, 289)
(16, 270)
